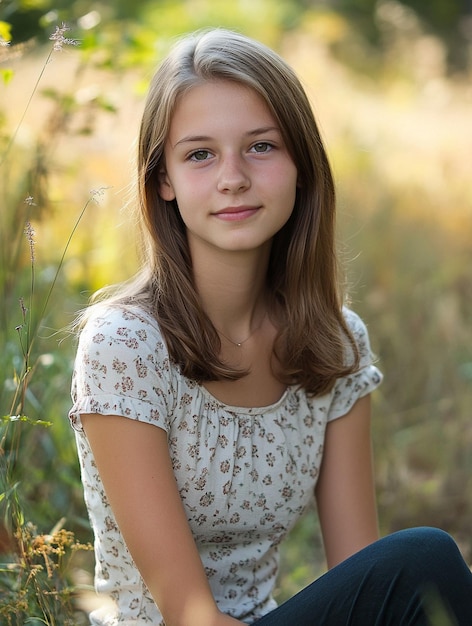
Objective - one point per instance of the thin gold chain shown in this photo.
(238, 344)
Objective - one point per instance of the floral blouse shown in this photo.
(245, 475)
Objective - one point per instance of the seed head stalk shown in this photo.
(59, 41)
(17, 407)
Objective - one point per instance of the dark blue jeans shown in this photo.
(412, 577)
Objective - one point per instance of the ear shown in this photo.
(166, 190)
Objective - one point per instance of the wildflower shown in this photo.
(4, 43)
(29, 232)
(29, 200)
(60, 40)
(97, 194)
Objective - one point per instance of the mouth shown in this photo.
(235, 213)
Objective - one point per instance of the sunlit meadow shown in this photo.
(399, 134)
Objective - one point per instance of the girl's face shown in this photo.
(228, 169)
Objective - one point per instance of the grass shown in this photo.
(35, 566)
(399, 139)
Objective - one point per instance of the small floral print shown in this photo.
(225, 466)
(254, 474)
(287, 493)
(97, 366)
(201, 482)
(119, 366)
(223, 441)
(127, 383)
(270, 459)
(244, 475)
(141, 368)
(241, 452)
(308, 420)
(207, 499)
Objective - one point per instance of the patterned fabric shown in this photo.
(244, 475)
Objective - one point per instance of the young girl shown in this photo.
(226, 385)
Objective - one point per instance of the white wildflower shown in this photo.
(97, 194)
(60, 40)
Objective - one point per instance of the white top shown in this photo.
(245, 475)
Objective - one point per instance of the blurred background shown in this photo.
(390, 83)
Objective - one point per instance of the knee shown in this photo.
(425, 538)
(426, 547)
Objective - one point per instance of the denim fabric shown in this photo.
(412, 577)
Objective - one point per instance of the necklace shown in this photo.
(238, 344)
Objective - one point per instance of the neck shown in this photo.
(232, 290)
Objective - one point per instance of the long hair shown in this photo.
(313, 341)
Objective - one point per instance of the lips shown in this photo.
(234, 213)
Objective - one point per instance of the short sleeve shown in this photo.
(121, 368)
(349, 389)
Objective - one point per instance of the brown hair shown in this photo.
(313, 340)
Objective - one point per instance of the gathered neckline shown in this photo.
(248, 410)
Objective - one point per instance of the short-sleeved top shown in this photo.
(245, 475)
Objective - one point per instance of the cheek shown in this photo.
(285, 184)
(189, 188)
(285, 176)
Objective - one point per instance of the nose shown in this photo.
(233, 176)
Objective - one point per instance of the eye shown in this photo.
(261, 147)
(199, 155)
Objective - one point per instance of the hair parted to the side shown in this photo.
(314, 346)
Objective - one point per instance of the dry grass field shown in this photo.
(399, 135)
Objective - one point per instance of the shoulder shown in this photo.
(360, 334)
(348, 389)
(121, 331)
(354, 322)
(122, 366)
(118, 322)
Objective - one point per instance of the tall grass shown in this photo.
(35, 582)
(399, 136)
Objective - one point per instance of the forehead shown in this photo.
(220, 104)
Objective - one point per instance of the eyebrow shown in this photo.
(250, 133)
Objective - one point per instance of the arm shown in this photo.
(345, 491)
(151, 517)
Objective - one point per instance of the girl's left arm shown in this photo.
(345, 492)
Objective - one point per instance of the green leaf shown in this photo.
(24, 418)
(5, 31)
(6, 75)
